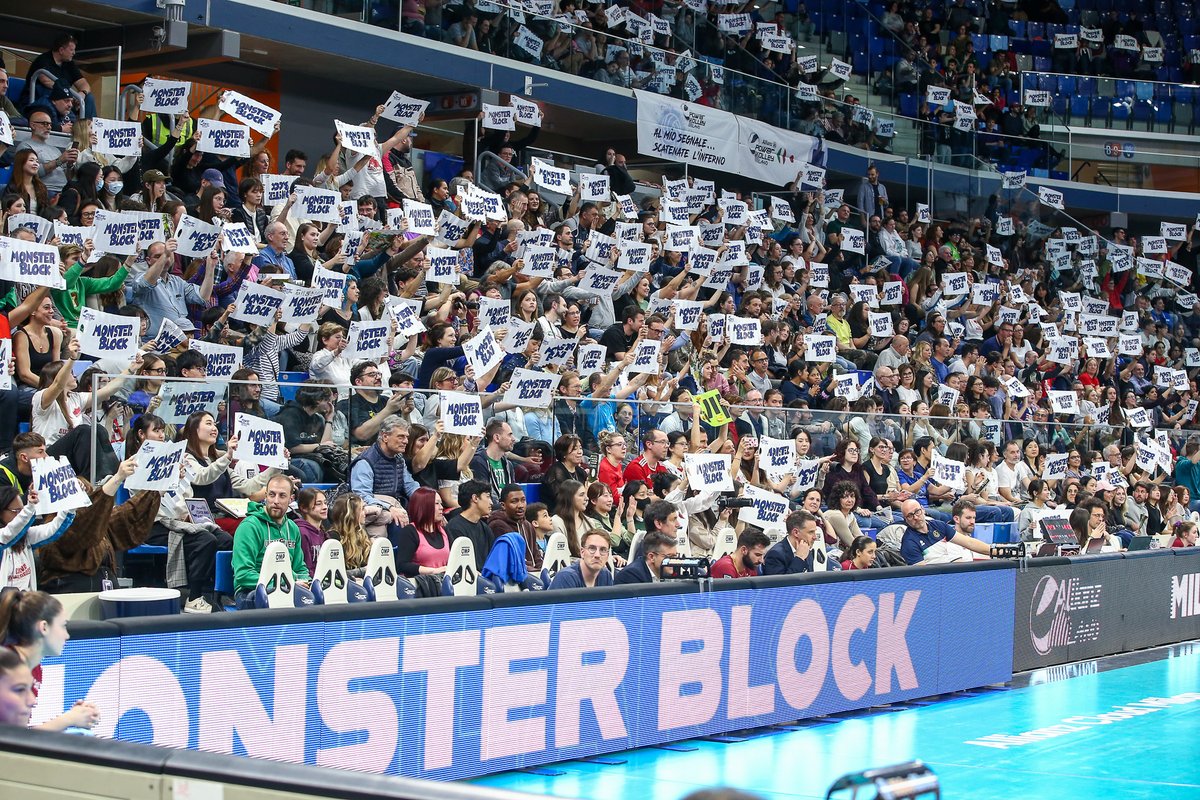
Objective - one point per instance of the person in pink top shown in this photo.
(422, 547)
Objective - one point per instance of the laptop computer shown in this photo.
(1140, 543)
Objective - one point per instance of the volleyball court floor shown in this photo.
(1117, 728)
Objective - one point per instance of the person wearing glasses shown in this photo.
(55, 164)
(654, 452)
(922, 533)
(591, 568)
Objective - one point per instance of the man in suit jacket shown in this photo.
(794, 553)
(658, 543)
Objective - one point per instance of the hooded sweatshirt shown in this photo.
(250, 545)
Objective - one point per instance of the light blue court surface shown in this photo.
(1123, 755)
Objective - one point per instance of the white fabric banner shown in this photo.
(769, 154)
(257, 304)
(690, 134)
(117, 138)
(221, 360)
(260, 441)
(157, 466)
(223, 138)
(166, 97)
(107, 336)
(58, 487)
(259, 116)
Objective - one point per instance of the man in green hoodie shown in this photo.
(265, 523)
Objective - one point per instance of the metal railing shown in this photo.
(587, 417)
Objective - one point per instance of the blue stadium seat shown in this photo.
(1086, 86)
(533, 492)
(909, 104)
(5, 175)
(223, 582)
(1164, 112)
(1118, 111)
(1019, 28)
(1143, 112)
(1066, 85)
(15, 87)
(1081, 107)
(997, 42)
(285, 378)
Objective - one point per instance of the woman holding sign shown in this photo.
(58, 416)
(19, 537)
(251, 212)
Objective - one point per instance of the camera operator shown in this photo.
(746, 560)
(659, 542)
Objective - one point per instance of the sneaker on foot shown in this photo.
(197, 606)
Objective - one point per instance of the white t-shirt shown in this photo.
(1014, 478)
(50, 422)
(370, 180)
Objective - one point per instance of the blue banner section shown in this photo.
(457, 695)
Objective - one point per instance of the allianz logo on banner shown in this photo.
(1063, 612)
(1185, 595)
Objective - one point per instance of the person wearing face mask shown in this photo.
(109, 188)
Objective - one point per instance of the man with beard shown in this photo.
(746, 560)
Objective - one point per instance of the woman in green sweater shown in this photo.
(70, 300)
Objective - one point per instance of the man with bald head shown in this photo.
(814, 306)
(922, 533)
(886, 381)
(895, 354)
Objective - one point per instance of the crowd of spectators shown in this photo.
(995, 345)
(709, 53)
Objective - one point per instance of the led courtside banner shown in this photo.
(506, 684)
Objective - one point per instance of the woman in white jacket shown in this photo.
(20, 537)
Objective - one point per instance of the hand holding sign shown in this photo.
(157, 467)
(461, 413)
(261, 441)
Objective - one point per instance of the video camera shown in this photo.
(684, 569)
(733, 502)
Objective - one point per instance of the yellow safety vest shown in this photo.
(160, 131)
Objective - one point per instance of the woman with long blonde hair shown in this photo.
(347, 524)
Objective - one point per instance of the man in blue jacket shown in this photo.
(793, 554)
(590, 569)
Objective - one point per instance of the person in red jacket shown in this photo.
(860, 554)
(745, 561)
(650, 462)
(612, 450)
